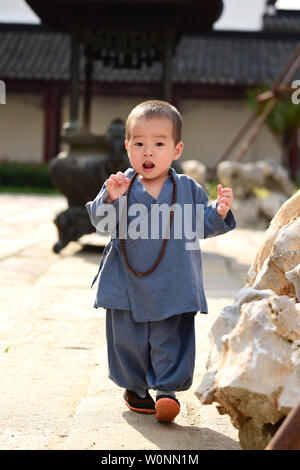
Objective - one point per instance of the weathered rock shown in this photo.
(247, 213)
(256, 382)
(243, 177)
(257, 211)
(288, 212)
(294, 277)
(226, 321)
(270, 205)
(296, 356)
(246, 179)
(196, 170)
(285, 256)
(253, 369)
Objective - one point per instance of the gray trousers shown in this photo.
(158, 355)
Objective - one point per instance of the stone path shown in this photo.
(55, 393)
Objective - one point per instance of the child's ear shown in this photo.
(178, 150)
(126, 144)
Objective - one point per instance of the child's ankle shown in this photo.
(171, 393)
(140, 392)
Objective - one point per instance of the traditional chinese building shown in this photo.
(211, 73)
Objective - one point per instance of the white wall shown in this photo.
(21, 128)
(104, 110)
(208, 127)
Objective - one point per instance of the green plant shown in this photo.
(28, 176)
(28, 190)
(212, 190)
(283, 121)
(284, 116)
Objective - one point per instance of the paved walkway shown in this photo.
(55, 393)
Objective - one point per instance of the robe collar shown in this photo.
(142, 195)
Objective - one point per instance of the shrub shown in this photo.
(14, 175)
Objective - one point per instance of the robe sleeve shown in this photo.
(214, 225)
(104, 217)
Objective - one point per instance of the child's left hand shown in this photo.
(224, 200)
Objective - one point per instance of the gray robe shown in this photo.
(176, 285)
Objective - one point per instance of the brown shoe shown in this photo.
(138, 404)
(167, 408)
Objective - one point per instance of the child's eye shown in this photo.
(160, 144)
(139, 144)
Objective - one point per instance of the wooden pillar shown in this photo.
(176, 98)
(294, 154)
(88, 90)
(52, 101)
(74, 73)
(168, 38)
(291, 152)
(287, 436)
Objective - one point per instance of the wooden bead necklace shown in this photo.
(167, 233)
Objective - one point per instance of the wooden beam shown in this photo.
(167, 47)
(52, 113)
(74, 73)
(291, 152)
(287, 436)
(89, 65)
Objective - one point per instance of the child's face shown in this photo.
(151, 148)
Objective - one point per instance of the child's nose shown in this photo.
(148, 150)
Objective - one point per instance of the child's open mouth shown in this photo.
(148, 166)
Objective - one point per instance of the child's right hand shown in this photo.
(117, 185)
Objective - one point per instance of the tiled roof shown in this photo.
(283, 21)
(232, 58)
(220, 57)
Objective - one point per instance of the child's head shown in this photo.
(153, 137)
(156, 109)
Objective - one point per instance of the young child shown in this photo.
(152, 287)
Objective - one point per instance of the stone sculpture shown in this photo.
(80, 173)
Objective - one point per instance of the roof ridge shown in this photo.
(219, 33)
(34, 27)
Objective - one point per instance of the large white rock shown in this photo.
(294, 277)
(288, 212)
(224, 324)
(256, 381)
(285, 256)
(253, 369)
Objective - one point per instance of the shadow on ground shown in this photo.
(172, 436)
